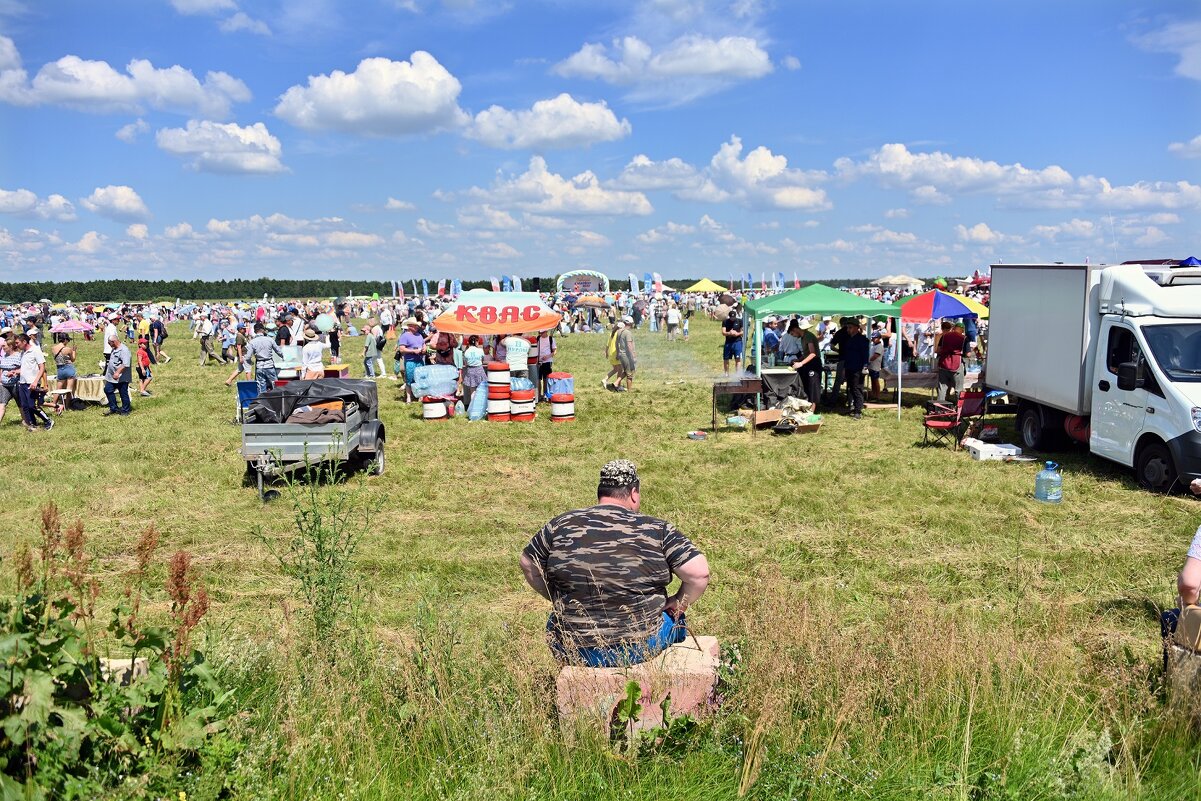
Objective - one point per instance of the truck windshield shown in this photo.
(1177, 349)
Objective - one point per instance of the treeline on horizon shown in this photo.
(134, 290)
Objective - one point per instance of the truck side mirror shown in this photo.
(1128, 376)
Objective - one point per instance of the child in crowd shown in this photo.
(144, 374)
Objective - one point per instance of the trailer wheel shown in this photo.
(1030, 428)
(377, 464)
(1155, 469)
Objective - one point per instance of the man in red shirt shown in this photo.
(950, 361)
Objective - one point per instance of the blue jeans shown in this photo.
(369, 366)
(114, 388)
(265, 378)
(670, 632)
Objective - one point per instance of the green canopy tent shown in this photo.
(811, 300)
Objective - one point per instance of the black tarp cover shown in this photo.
(276, 405)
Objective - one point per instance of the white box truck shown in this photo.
(1107, 355)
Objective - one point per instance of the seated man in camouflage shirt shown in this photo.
(606, 570)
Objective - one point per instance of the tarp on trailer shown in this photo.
(277, 404)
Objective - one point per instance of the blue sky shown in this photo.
(468, 138)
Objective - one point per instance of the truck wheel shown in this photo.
(1030, 429)
(1155, 469)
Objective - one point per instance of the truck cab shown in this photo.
(1146, 406)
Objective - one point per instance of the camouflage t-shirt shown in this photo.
(607, 570)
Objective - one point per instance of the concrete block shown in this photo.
(124, 671)
(588, 697)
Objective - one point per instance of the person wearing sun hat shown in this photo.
(605, 569)
(410, 347)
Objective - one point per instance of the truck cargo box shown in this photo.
(1042, 318)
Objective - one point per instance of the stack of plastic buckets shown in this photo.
(562, 407)
(561, 388)
(498, 392)
(522, 405)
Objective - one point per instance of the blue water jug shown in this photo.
(1048, 484)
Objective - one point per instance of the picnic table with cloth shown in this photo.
(90, 388)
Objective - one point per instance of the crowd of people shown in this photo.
(257, 339)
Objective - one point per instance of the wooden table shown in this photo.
(737, 386)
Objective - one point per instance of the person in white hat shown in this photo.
(110, 331)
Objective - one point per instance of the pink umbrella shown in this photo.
(72, 327)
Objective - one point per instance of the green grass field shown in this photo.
(910, 623)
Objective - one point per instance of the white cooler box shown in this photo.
(986, 452)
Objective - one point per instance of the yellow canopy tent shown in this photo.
(705, 285)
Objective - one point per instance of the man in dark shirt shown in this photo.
(837, 342)
(731, 327)
(808, 362)
(606, 570)
(950, 361)
(855, 354)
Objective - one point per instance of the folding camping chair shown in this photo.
(945, 421)
(247, 391)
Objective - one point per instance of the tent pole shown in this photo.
(898, 338)
(758, 364)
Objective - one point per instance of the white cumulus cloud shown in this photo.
(979, 234)
(380, 98)
(668, 232)
(685, 69)
(223, 147)
(203, 6)
(130, 133)
(96, 86)
(933, 178)
(241, 21)
(89, 243)
(500, 250)
(137, 231)
(760, 179)
(116, 202)
(353, 239)
(1073, 229)
(1182, 39)
(763, 179)
(25, 203)
(1189, 150)
(540, 191)
(485, 217)
(558, 122)
(393, 204)
(643, 174)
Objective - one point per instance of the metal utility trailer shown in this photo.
(272, 446)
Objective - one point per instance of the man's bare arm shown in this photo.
(533, 576)
(694, 580)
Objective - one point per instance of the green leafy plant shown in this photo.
(74, 724)
(319, 553)
(672, 736)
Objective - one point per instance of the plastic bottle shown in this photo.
(1048, 484)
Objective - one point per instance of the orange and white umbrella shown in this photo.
(495, 313)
